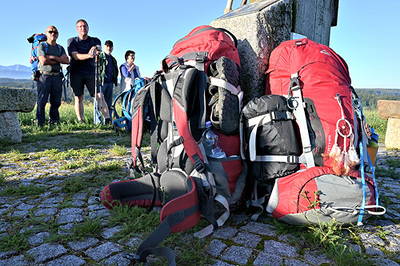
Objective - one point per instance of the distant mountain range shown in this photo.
(15, 72)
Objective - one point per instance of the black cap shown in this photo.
(109, 43)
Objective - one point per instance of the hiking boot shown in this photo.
(224, 104)
(226, 69)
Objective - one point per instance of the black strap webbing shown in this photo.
(150, 244)
(154, 114)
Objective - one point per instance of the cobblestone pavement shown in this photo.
(242, 242)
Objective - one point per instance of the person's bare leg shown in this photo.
(243, 2)
(79, 110)
(103, 105)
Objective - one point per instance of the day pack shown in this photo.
(35, 39)
(269, 133)
(123, 119)
(187, 103)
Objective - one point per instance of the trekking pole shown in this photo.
(96, 113)
(65, 90)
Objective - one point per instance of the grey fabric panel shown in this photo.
(341, 191)
(315, 217)
(274, 198)
(340, 198)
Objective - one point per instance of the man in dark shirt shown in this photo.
(51, 55)
(109, 72)
(83, 50)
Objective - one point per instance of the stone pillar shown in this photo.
(390, 110)
(262, 25)
(259, 27)
(314, 18)
(13, 101)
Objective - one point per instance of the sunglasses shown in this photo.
(53, 32)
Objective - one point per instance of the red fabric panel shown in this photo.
(233, 169)
(230, 144)
(181, 203)
(137, 131)
(109, 202)
(215, 42)
(182, 126)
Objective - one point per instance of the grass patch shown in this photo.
(333, 238)
(14, 241)
(23, 190)
(112, 166)
(89, 227)
(16, 156)
(56, 154)
(118, 150)
(2, 178)
(374, 120)
(74, 185)
(391, 171)
(395, 163)
(74, 165)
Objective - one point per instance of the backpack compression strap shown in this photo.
(263, 119)
(307, 157)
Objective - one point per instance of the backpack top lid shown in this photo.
(35, 39)
(309, 59)
(216, 42)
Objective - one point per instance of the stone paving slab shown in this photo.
(242, 242)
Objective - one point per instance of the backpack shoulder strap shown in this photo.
(138, 109)
(45, 45)
(307, 157)
(181, 107)
(145, 99)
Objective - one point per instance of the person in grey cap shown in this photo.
(108, 72)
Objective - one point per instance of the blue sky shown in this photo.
(367, 35)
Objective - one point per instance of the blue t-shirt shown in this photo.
(82, 67)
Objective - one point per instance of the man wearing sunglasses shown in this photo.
(51, 55)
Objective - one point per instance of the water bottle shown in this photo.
(210, 142)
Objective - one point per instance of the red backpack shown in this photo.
(322, 78)
(339, 180)
(194, 99)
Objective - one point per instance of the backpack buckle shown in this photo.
(200, 59)
(198, 164)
